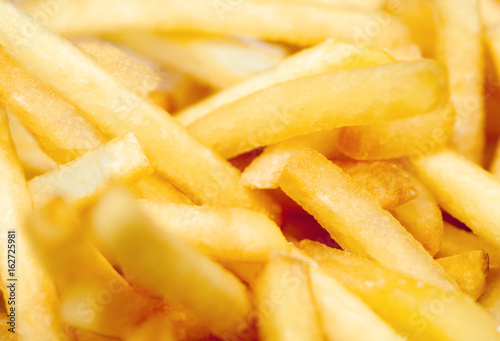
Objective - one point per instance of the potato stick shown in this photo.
(231, 234)
(422, 218)
(344, 315)
(265, 169)
(135, 75)
(456, 241)
(419, 135)
(355, 5)
(336, 201)
(290, 109)
(459, 48)
(285, 303)
(325, 57)
(473, 202)
(490, 12)
(418, 311)
(155, 188)
(33, 159)
(167, 266)
(491, 299)
(34, 314)
(469, 270)
(217, 61)
(92, 294)
(80, 181)
(57, 125)
(116, 110)
(297, 24)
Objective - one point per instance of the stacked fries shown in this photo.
(250, 170)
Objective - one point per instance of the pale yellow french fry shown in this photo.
(357, 5)
(82, 180)
(136, 76)
(422, 218)
(457, 241)
(355, 219)
(155, 188)
(117, 111)
(459, 47)
(35, 316)
(419, 135)
(325, 57)
(290, 109)
(344, 315)
(231, 234)
(418, 311)
(291, 23)
(217, 61)
(284, 302)
(491, 299)
(465, 190)
(469, 270)
(167, 266)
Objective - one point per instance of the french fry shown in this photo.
(469, 270)
(216, 61)
(459, 48)
(335, 200)
(490, 13)
(285, 303)
(418, 311)
(422, 217)
(288, 109)
(246, 271)
(473, 202)
(491, 299)
(457, 241)
(231, 234)
(155, 188)
(167, 266)
(356, 5)
(83, 179)
(116, 110)
(493, 43)
(325, 57)
(34, 317)
(419, 135)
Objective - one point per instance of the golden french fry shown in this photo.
(491, 299)
(473, 201)
(457, 241)
(117, 110)
(469, 270)
(355, 219)
(285, 303)
(231, 234)
(81, 180)
(31, 314)
(325, 57)
(417, 135)
(167, 266)
(417, 310)
(459, 48)
(289, 109)
(216, 61)
(422, 217)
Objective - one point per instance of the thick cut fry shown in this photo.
(418, 311)
(459, 47)
(93, 295)
(291, 23)
(232, 234)
(456, 241)
(491, 299)
(35, 316)
(422, 218)
(325, 57)
(419, 135)
(465, 190)
(167, 266)
(469, 270)
(355, 219)
(155, 188)
(117, 111)
(285, 303)
(83, 179)
(344, 98)
(216, 61)
(344, 315)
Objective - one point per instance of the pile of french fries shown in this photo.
(275, 170)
